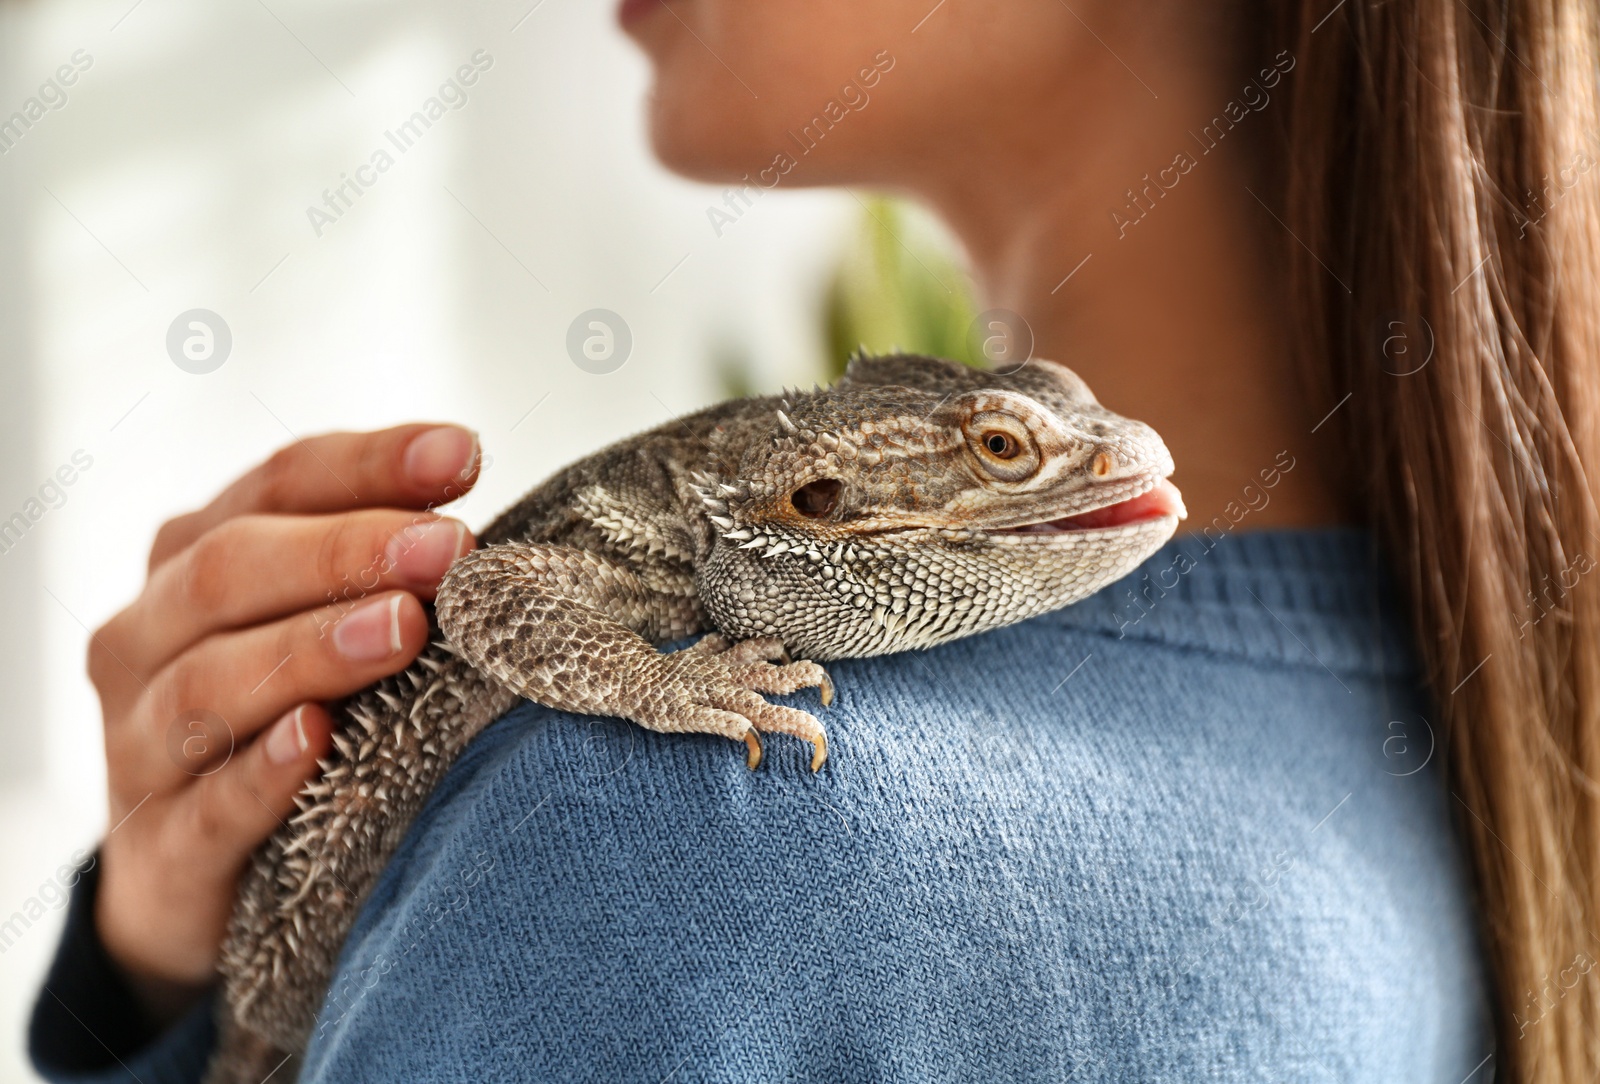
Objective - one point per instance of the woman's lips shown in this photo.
(1160, 501)
(631, 11)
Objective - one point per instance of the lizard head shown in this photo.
(919, 500)
(914, 444)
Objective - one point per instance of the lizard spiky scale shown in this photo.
(919, 537)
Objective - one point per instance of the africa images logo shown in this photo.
(51, 96)
(451, 95)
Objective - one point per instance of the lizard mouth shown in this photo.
(1157, 500)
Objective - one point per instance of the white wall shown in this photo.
(177, 176)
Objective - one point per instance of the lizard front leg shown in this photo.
(567, 628)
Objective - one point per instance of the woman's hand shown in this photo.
(298, 584)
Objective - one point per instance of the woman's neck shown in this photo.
(1170, 311)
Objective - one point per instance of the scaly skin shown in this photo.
(883, 514)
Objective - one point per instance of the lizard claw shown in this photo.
(715, 687)
(819, 756)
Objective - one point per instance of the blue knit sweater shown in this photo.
(1192, 828)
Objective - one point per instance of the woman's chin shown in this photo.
(705, 152)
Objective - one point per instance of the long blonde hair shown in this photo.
(1439, 174)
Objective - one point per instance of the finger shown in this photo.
(233, 808)
(409, 466)
(249, 677)
(256, 568)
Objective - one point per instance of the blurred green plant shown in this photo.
(734, 370)
(895, 289)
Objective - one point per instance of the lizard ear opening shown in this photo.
(815, 500)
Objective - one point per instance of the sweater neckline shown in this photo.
(1321, 597)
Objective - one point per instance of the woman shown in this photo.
(1194, 826)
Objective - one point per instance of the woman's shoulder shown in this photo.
(1192, 824)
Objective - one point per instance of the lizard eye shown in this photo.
(814, 500)
(1002, 445)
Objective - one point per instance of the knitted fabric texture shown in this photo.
(1192, 828)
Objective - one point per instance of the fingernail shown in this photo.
(422, 551)
(371, 631)
(286, 741)
(439, 455)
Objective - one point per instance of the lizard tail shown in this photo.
(297, 900)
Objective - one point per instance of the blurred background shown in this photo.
(159, 157)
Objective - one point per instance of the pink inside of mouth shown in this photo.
(1163, 500)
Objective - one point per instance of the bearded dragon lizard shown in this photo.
(914, 502)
